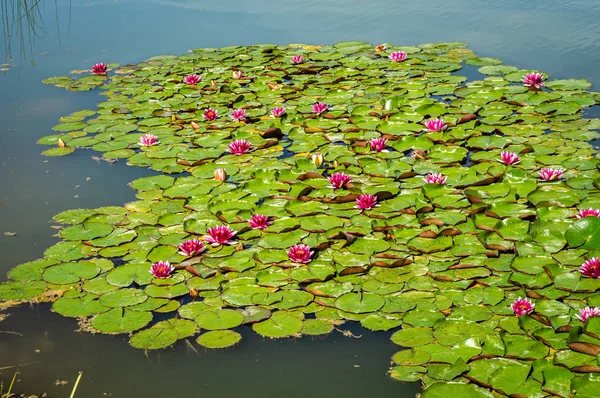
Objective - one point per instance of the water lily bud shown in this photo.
(317, 159)
(195, 125)
(61, 143)
(220, 174)
(193, 294)
(418, 154)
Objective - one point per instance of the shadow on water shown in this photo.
(23, 22)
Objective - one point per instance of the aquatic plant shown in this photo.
(278, 112)
(522, 306)
(220, 235)
(366, 202)
(210, 114)
(300, 253)
(100, 69)
(320, 107)
(378, 144)
(588, 312)
(237, 74)
(397, 56)
(591, 268)
(436, 125)
(191, 79)
(297, 59)
(191, 247)
(238, 114)
(148, 140)
(440, 265)
(550, 174)
(239, 147)
(533, 80)
(161, 269)
(435, 178)
(259, 221)
(509, 158)
(588, 213)
(338, 180)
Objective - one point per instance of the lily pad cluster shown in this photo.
(440, 264)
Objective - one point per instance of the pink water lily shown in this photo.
(588, 312)
(220, 174)
(259, 221)
(588, 213)
(100, 69)
(191, 247)
(338, 180)
(220, 235)
(161, 269)
(191, 79)
(591, 268)
(397, 56)
(436, 125)
(238, 114)
(319, 107)
(378, 144)
(300, 253)
(278, 112)
(535, 80)
(366, 202)
(522, 306)
(148, 140)
(550, 174)
(237, 74)
(435, 178)
(239, 147)
(509, 158)
(297, 59)
(210, 114)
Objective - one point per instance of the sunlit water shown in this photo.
(558, 37)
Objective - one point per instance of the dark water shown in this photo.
(559, 37)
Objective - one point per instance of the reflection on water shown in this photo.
(334, 366)
(23, 21)
(557, 36)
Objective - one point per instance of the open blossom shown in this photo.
(238, 114)
(435, 178)
(550, 174)
(588, 312)
(239, 147)
(210, 114)
(100, 69)
(535, 80)
(436, 125)
(297, 59)
(220, 174)
(278, 112)
(191, 79)
(317, 159)
(591, 268)
(398, 56)
(378, 144)
(319, 107)
(237, 74)
(259, 221)
(148, 140)
(522, 306)
(588, 213)
(509, 158)
(338, 180)
(191, 247)
(220, 235)
(300, 253)
(366, 202)
(161, 269)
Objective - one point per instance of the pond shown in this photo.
(558, 38)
